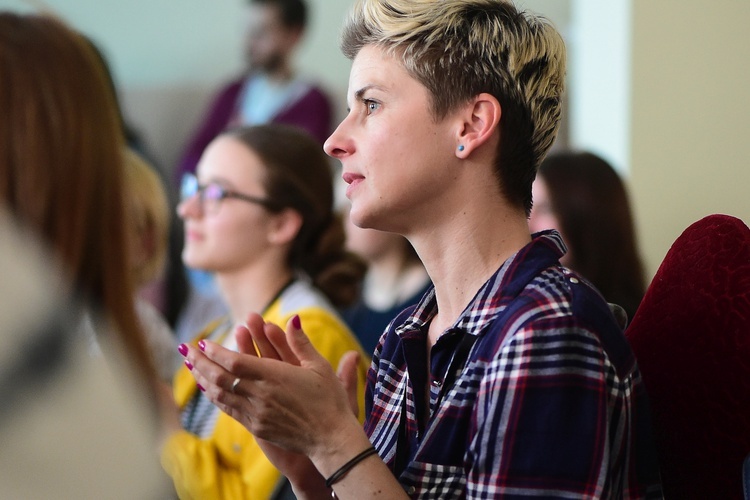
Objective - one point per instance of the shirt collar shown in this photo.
(545, 250)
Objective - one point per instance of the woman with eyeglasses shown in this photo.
(258, 214)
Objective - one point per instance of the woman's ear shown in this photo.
(479, 122)
(285, 226)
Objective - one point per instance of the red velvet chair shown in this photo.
(691, 337)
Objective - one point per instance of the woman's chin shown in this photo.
(195, 263)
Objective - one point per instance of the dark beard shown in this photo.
(270, 65)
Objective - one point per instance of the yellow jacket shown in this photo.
(229, 464)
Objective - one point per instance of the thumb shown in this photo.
(347, 374)
(299, 342)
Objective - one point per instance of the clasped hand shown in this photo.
(287, 396)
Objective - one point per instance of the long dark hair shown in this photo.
(299, 176)
(591, 203)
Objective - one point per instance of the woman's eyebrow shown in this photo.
(358, 95)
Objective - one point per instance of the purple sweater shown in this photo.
(311, 112)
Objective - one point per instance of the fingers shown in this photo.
(220, 366)
(300, 344)
(251, 332)
(277, 338)
(347, 374)
(244, 340)
(268, 337)
(216, 381)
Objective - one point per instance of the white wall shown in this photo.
(168, 56)
(599, 79)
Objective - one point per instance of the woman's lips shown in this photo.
(193, 235)
(353, 180)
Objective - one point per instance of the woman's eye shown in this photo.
(213, 192)
(371, 106)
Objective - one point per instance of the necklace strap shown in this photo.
(277, 295)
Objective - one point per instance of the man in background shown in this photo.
(269, 90)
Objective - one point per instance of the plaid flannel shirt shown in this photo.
(549, 402)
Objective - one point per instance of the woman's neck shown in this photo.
(464, 253)
(252, 289)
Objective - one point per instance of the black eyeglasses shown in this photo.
(211, 195)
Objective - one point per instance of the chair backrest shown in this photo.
(691, 337)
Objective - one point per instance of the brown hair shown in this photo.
(293, 13)
(589, 199)
(298, 176)
(62, 166)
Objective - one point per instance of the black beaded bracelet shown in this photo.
(349, 465)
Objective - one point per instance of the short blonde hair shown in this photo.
(460, 48)
(148, 211)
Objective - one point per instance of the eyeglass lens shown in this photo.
(209, 195)
(188, 186)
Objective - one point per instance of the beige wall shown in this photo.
(690, 153)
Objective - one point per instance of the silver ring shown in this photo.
(234, 384)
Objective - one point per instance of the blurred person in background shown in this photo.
(62, 178)
(269, 90)
(260, 215)
(149, 215)
(582, 196)
(60, 130)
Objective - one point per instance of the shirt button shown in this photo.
(574, 280)
(411, 490)
(437, 382)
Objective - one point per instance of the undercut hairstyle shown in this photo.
(293, 13)
(459, 49)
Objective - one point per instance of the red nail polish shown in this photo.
(183, 349)
(296, 323)
(201, 388)
(202, 345)
(188, 364)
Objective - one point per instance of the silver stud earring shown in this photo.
(460, 147)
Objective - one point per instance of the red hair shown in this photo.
(61, 155)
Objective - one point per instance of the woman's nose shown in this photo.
(189, 207)
(339, 144)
